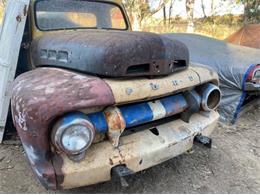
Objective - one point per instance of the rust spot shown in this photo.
(172, 144)
(116, 124)
(98, 138)
(115, 120)
(25, 10)
(18, 18)
(128, 54)
(58, 170)
(39, 110)
(107, 114)
(111, 162)
(122, 156)
(141, 162)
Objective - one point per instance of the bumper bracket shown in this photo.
(206, 141)
(119, 172)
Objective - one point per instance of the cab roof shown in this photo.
(110, 1)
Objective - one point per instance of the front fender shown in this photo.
(38, 97)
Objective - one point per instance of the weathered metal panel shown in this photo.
(205, 74)
(137, 151)
(111, 53)
(142, 113)
(132, 90)
(114, 120)
(116, 124)
(41, 96)
(10, 41)
(44, 94)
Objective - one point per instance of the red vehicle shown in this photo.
(248, 35)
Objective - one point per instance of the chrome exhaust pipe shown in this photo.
(206, 97)
(210, 96)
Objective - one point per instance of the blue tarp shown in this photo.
(232, 62)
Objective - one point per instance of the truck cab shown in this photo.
(92, 98)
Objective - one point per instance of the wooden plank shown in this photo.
(10, 40)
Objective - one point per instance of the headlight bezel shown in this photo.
(60, 128)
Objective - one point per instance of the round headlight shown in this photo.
(76, 138)
(73, 134)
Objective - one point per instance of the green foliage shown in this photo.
(140, 10)
(252, 10)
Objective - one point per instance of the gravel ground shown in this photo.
(231, 166)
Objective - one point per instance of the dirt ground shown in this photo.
(231, 166)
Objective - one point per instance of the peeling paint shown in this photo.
(116, 124)
(40, 96)
(111, 53)
(138, 151)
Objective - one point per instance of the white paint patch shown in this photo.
(158, 109)
(40, 87)
(20, 119)
(32, 154)
(49, 90)
(79, 77)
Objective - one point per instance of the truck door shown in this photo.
(10, 41)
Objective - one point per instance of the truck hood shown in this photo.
(110, 53)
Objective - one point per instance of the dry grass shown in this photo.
(216, 31)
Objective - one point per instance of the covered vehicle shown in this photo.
(248, 35)
(238, 68)
(94, 100)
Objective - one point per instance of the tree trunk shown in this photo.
(190, 11)
(136, 24)
(203, 9)
(212, 6)
(139, 10)
(164, 16)
(170, 12)
(246, 12)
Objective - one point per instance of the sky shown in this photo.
(221, 8)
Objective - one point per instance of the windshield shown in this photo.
(76, 14)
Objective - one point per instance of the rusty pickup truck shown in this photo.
(94, 100)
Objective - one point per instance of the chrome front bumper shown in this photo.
(137, 151)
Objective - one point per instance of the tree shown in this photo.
(3, 2)
(203, 9)
(170, 11)
(251, 11)
(139, 10)
(164, 15)
(190, 18)
(212, 7)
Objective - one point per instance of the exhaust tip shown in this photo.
(211, 97)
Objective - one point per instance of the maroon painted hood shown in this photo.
(111, 53)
